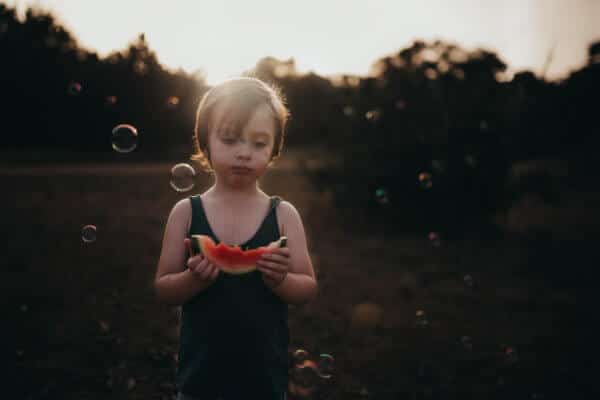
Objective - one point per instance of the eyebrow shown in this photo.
(260, 133)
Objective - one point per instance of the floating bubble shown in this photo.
(88, 233)
(172, 101)
(466, 342)
(483, 125)
(74, 88)
(470, 160)
(325, 365)
(421, 318)
(299, 356)
(364, 393)
(510, 355)
(306, 374)
(182, 177)
(373, 115)
(434, 239)
(110, 100)
(124, 138)
(400, 104)
(425, 180)
(366, 315)
(381, 196)
(438, 165)
(468, 279)
(20, 352)
(348, 111)
(24, 308)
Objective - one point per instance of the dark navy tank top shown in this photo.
(235, 332)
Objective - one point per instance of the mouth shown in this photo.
(241, 170)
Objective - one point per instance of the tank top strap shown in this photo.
(275, 200)
(199, 223)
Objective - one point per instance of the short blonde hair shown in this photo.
(241, 96)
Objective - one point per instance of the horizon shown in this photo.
(523, 34)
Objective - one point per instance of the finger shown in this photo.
(205, 274)
(271, 265)
(276, 258)
(280, 251)
(193, 262)
(215, 273)
(199, 265)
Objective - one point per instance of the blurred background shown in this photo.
(441, 154)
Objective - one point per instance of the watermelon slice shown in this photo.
(232, 259)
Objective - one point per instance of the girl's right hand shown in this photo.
(199, 265)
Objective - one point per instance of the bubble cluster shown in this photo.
(308, 376)
(124, 138)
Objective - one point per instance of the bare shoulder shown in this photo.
(288, 215)
(181, 214)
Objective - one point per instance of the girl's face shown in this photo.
(242, 159)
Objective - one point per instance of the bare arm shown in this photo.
(300, 284)
(174, 283)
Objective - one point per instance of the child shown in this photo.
(234, 335)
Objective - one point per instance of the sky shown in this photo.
(223, 38)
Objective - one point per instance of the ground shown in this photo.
(471, 318)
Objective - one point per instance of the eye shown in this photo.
(260, 144)
(228, 140)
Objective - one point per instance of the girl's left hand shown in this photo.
(274, 266)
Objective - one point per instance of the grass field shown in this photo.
(81, 321)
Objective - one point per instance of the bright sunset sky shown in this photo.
(225, 37)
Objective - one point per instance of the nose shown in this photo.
(243, 150)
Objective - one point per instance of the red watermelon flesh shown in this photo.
(232, 259)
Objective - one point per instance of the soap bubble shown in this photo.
(305, 374)
(470, 160)
(381, 196)
(110, 100)
(510, 355)
(88, 233)
(74, 88)
(299, 356)
(172, 101)
(182, 177)
(348, 111)
(124, 138)
(483, 125)
(466, 343)
(421, 318)
(373, 115)
(425, 180)
(438, 165)
(400, 104)
(434, 239)
(468, 279)
(325, 366)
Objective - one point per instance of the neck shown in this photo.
(231, 194)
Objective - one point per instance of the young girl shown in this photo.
(234, 335)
